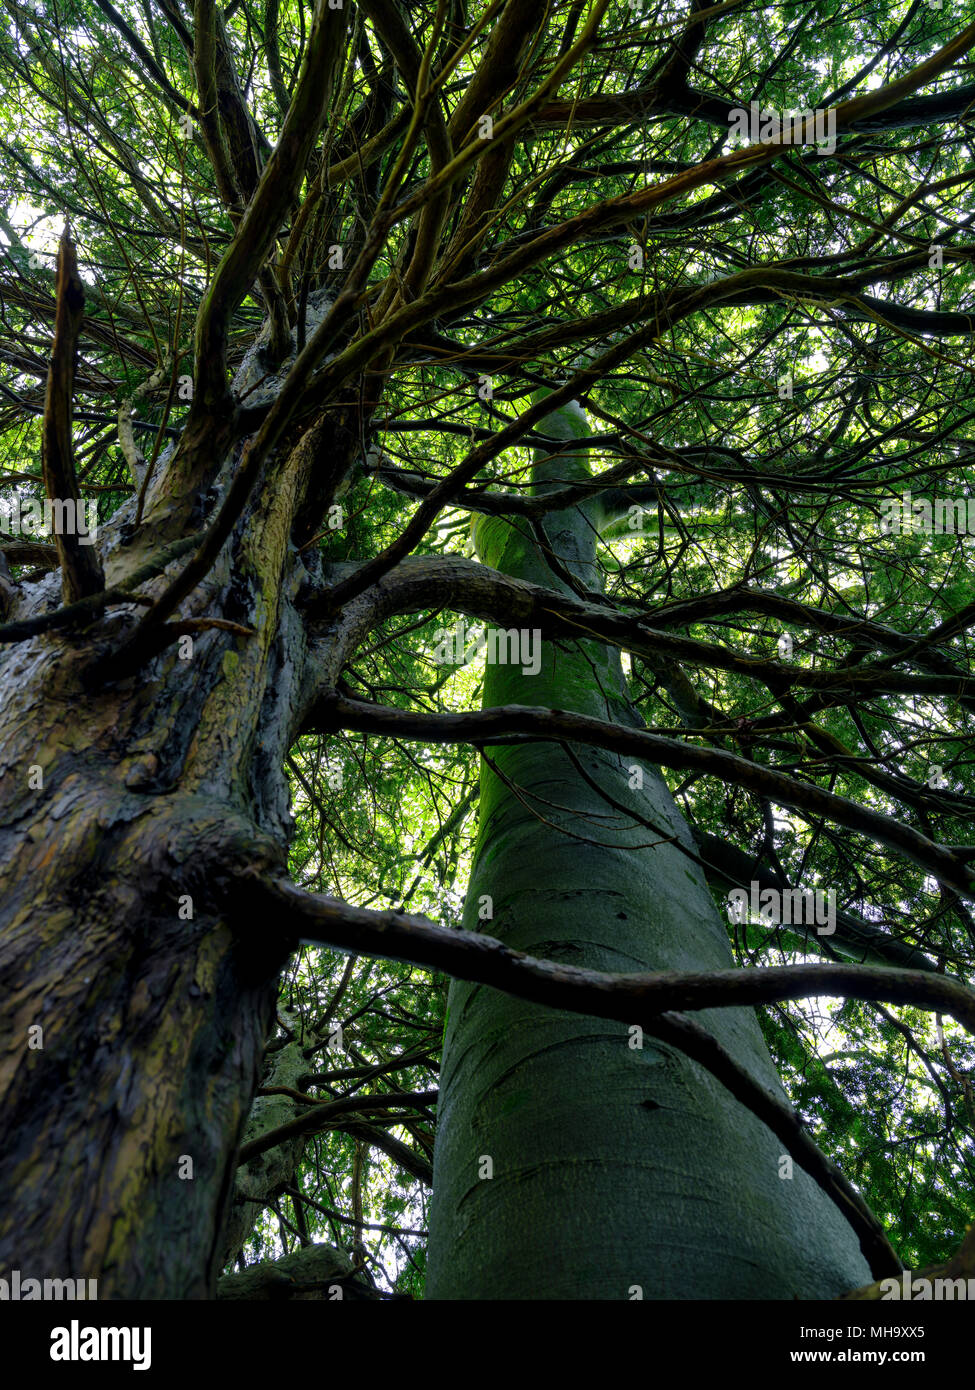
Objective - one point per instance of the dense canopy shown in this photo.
(357, 255)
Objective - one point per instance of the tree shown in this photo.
(502, 464)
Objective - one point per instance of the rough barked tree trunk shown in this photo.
(261, 1178)
(615, 1171)
(135, 1009)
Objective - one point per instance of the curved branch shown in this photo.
(477, 590)
(278, 184)
(644, 999)
(491, 726)
(323, 1113)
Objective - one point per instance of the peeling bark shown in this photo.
(136, 1005)
(315, 1274)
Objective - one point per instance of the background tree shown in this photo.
(334, 283)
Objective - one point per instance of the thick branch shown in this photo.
(643, 999)
(469, 587)
(488, 726)
(266, 210)
(628, 998)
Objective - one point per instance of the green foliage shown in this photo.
(740, 486)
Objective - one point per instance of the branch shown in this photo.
(314, 1268)
(147, 59)
(81, 570)
(393, 1148)
(266, 210)
(88, 609)
(449, 581)
(642, 998)
(622, 211)
(535, 722)
(322, 1113)
(443, 493)
(37, 553)
(627, 998)
(625, 108)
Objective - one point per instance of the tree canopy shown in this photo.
(390, 240)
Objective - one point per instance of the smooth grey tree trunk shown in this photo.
(619, 1172)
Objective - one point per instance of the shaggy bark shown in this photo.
(137, 1006)
(316, 1273)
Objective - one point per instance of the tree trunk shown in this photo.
(260, 1179)
(136, 1013)
(586, 1133)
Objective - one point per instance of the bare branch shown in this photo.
(639, 998)
(81, 571)
(488, 726)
